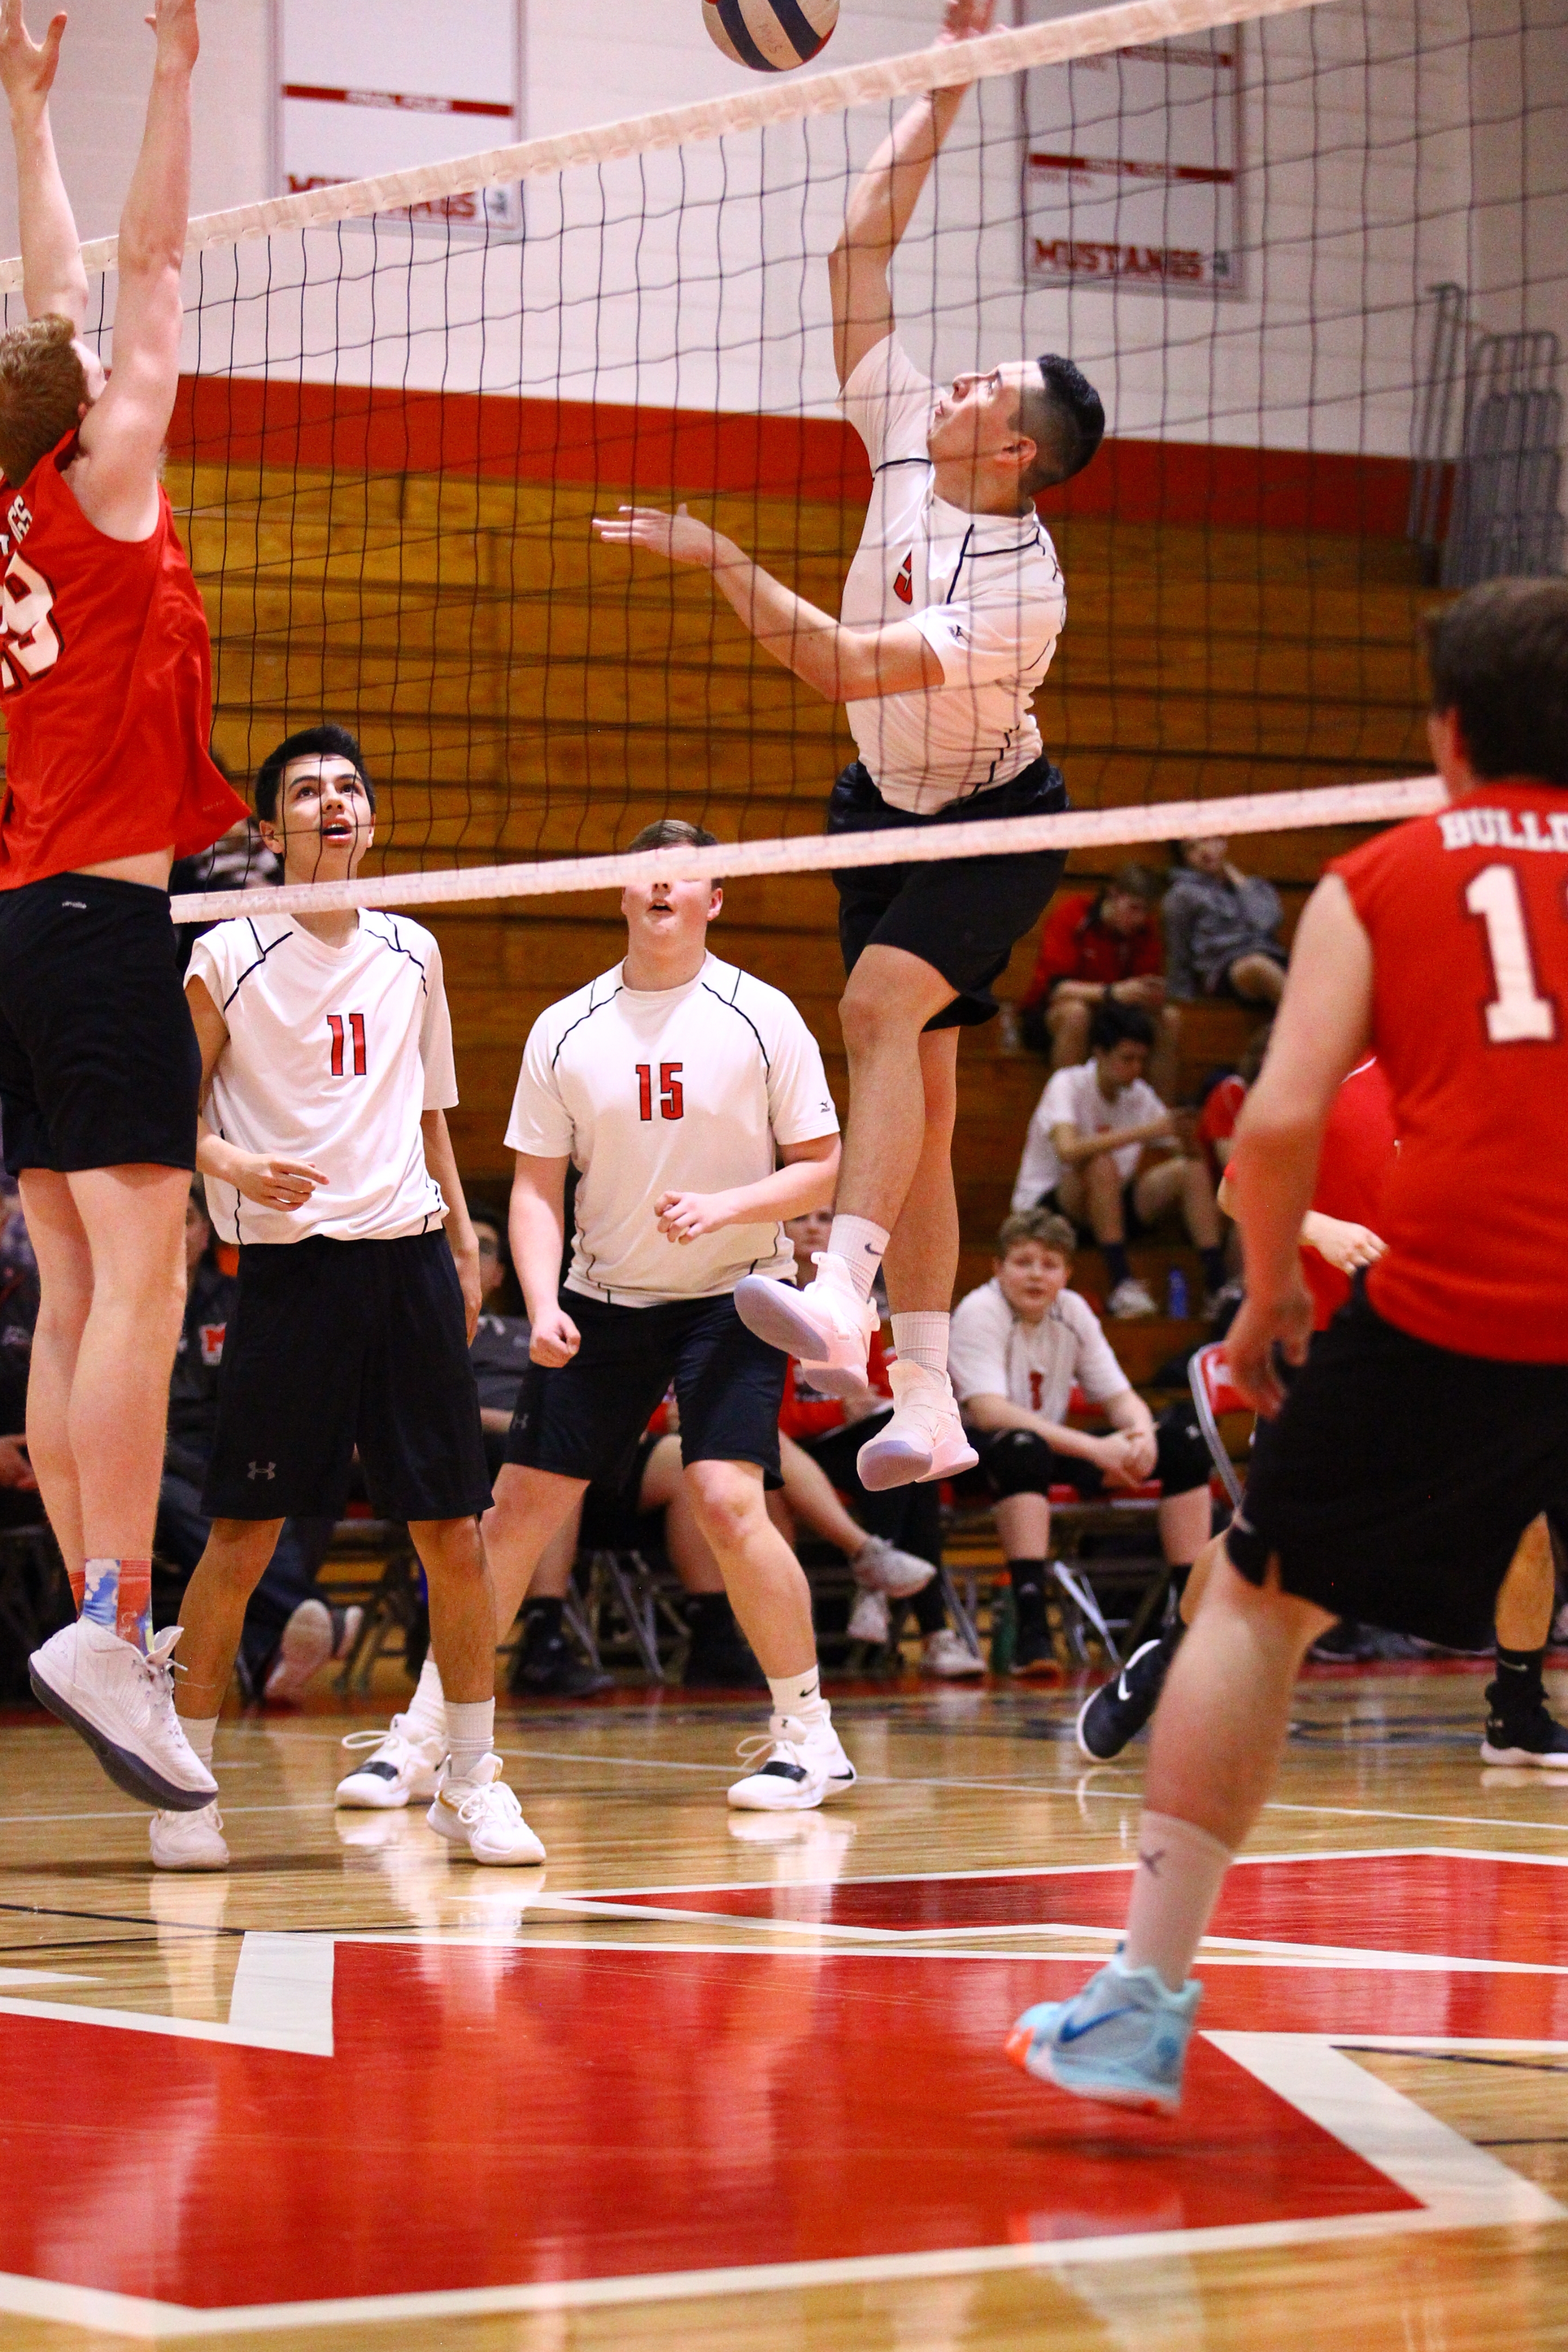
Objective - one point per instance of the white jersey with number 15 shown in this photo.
(649, 1091)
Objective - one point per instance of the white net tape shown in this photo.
(1095, 32)
(1387, 803)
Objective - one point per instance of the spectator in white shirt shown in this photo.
(1089, 1151)
(1021, 1344)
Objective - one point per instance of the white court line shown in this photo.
(281, 1999)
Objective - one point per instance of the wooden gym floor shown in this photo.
(721, 2081)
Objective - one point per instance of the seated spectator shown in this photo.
(1222, 928)
(1095, 946)
(1219, 1106)
(498, 1349)
(291, 1627)
(1087, 1155)
(904, 1520)
(1019, 1347)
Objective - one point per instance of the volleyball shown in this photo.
(770, 35)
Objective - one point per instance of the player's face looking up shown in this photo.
(1120, 1065)
(975, 440)
(325, 822)
(1032, 1277)
(667, 930)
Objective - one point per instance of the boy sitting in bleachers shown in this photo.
(1020, 1345)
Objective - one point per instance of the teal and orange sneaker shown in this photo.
(1123, 2039)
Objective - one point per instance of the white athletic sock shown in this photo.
(470, 1729)
(1175, 1890)
(426, 1714)
(922, 1340)
(799, 1696)
(200, 1730)
(861, 1245)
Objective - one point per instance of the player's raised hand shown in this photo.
(680, 537)
(1250, 1343)
(28, 66)
(274, 1182)
(174, 22)
(555, 1339)
(687, 1216)
(965, 20)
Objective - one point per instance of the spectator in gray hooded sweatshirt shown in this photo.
(1222, 928)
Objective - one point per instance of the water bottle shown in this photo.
(1176, 1295)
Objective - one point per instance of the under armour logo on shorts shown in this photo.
(262, 1470)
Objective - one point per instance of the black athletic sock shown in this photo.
(1116, 1265)
(711, 1619)
(541, 1623)
(929, 1608)
(1518, 1689)
(1027, 1578)
(1213, 1266)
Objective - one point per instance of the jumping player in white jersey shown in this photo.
(949, 616)
(327, 1073)
(691, 1100)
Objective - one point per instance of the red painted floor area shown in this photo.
(496, 2116)
(1461, 1906)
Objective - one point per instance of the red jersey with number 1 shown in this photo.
(1467, 916)
(106, 681)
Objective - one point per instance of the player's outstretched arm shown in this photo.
(123, 437)
(1319, 1033)
(884, 198)
(53, 283)
(846, 665)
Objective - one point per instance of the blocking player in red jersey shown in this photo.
(105, 676)
(1428, 1427)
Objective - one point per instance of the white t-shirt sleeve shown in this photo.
(977, 1345)
(215, 962)
(1097, 1371)
(435, 1039)
(991, 642)
(540, 1125)
(800, 1106)
(889, 402)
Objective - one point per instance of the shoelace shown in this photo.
(489, 1796)
(765, 1744)
(357, 1740)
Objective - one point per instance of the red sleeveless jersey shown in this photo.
(106, 681)
(1467, 916)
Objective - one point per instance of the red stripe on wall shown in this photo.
(248, 421)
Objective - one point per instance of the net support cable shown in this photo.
(1385, 803)
(952, 65)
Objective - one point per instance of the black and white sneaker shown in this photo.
(1116, 1713)
(1526, 1736)
(794, 1768)
(551, 1669)
(1033, 1652)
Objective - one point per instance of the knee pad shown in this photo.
(1019, 1463)
(1185, 1461)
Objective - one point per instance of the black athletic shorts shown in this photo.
(333, 1345)
(1395, 1486)
(99, 1063)
(585, 1419)
(1133, 1225)
(961, 915)
(1021, 1462)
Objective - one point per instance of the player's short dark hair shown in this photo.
(43, 387)
(673, 833)
(1116, 1024)
(1065, 419)
(1499, 659)
(1043, 1225)
(326, 741)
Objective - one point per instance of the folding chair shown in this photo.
(1208, 1376)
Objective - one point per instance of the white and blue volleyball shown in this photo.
(770, 35)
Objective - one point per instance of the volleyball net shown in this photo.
(404, 398)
